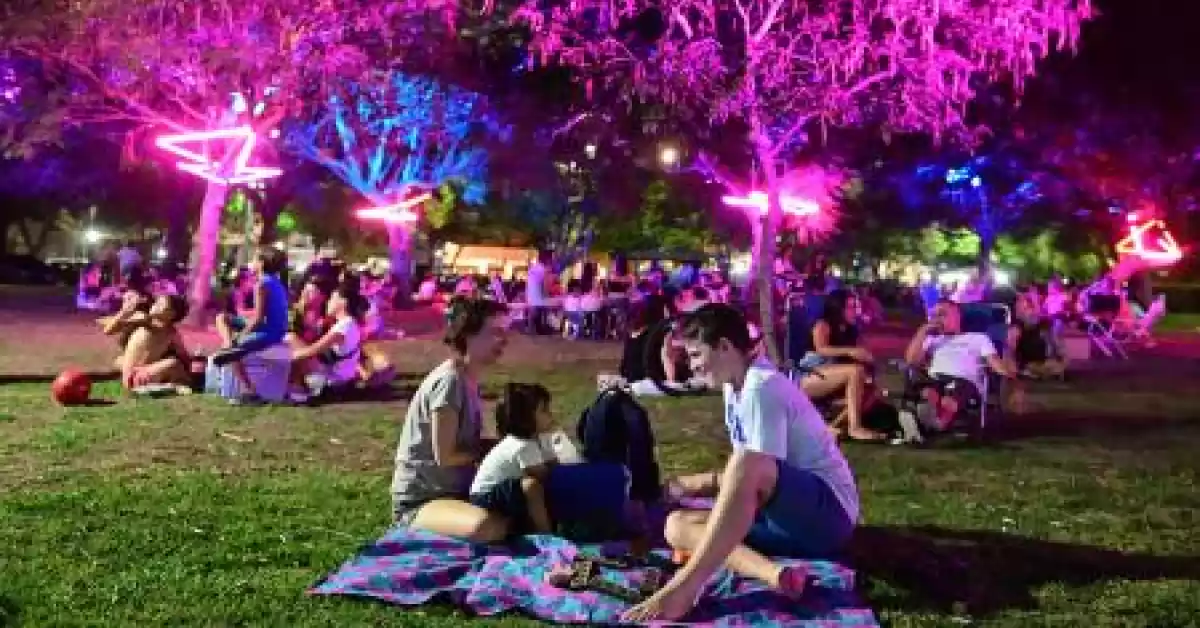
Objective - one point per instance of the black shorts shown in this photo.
(506, 498)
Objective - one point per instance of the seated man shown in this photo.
(955, 363)
(152, 349)
(786, 489)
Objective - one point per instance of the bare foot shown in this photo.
(791, 581)
(863, 433)
(559, 576)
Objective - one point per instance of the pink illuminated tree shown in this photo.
(141, 68)
(782, 69)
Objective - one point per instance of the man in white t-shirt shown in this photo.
(786, 489)
(956, 362)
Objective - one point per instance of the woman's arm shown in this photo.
(331, 338)
(445, 440)
(821, 344)
(254, 317)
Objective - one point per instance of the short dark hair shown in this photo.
(700, 293)
(516, 414)
(466, 317)
(273, 260)
(716, 321)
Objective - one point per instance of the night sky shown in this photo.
(1150, 47)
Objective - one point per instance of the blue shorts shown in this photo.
(803, 518)
(253, 341)
(506, 498)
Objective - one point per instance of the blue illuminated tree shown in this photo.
(993, 193)
(400, 133)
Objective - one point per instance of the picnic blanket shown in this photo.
(410, 567)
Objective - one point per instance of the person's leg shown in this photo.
(684, 530)
(451, 517)
(749, 483)
(535, 503)
(166, 371)
(228, 327)
(856, 388)
(825, 380)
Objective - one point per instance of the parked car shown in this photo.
(27, 270)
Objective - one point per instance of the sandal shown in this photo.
(584, 575)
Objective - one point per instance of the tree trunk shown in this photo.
(204, 252)
(765, 255)
(400, 254)
(987, 243)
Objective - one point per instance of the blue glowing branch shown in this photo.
(402, 131)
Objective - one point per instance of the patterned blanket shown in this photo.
(410, 567)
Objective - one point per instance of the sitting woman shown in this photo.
(265, 325)
(152, 349)
(307, 318)
(440, 442)
(1033, 350)
(837, 364)
(333, 359)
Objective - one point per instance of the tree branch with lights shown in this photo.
(784, 68)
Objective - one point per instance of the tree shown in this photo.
(137, 68)
(395, 133)
(779, 68)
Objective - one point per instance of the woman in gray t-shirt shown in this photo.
(440, 441)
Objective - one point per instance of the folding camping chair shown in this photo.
(993, 320)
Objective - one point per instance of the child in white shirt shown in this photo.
(511, 479)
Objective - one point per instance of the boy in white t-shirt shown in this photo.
(511, 478)
(786, 489)
(955, 362)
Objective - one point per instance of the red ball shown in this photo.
(71, 387)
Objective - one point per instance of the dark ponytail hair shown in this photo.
(467, 316)
(516, 414)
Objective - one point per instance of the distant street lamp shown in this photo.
(668, 156)
(590, 151)
(92, 236)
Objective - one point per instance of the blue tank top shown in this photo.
(275, 309)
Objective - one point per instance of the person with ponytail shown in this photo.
(333, 359)
(441, 439)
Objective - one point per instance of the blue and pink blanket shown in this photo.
(409, 567)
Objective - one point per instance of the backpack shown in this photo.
(616, 428)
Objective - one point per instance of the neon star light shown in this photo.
(1144, 243)
(204, 167)
(396, 213)
(792, 205)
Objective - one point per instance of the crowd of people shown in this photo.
(786, 488)
(324, 330)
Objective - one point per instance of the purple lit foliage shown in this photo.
(783, 68)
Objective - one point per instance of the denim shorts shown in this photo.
(803, 518)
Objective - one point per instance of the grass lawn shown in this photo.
(189, 512)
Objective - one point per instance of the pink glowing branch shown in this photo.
(396, 213)
(204, 167)
(792, 205)
(1157, 250)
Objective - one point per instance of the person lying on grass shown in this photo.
(152, 349)
(511, 479)
(785, 491)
